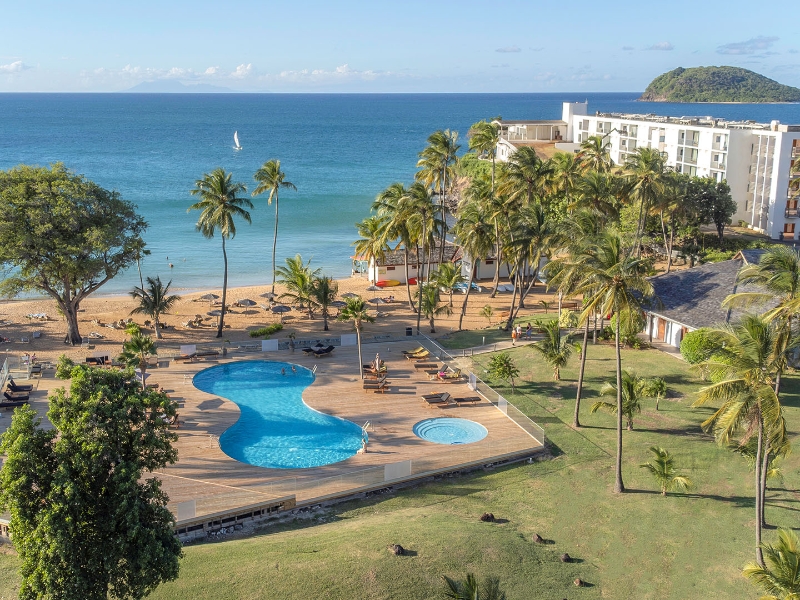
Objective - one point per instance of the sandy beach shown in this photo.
(98, 311)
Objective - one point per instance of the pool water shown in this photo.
(276, 429)
(445, 430)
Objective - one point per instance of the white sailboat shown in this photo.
(236, 145)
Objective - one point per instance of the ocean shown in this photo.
(340, 150)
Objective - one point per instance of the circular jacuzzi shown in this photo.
(446, 430)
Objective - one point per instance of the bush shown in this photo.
(714, 256)
(64, 367)
(567, 318)
(631, 325)
(696, 346)
(268, 330)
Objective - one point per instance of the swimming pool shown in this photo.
(446, 430)
(276, 429)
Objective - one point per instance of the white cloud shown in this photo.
(662, 46)
(15, 67)
(339, 74)
(242, 71)
(628, 48)
(211, 71)
(750, 46)
(509, 49)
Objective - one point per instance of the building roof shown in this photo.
(693, 297)
(452, 253)
(697, 121)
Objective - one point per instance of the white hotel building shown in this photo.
(754, 158)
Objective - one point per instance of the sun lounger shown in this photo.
(434, 399)
(185, 357)
(207, 353)
(426, 365)
(467, 399)
(416, 350)
(381, 386)
(418, 356)
(13, 387)
(13, 403)
(17, 396)
(451, 375)
(324, 351)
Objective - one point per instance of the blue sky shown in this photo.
(385, 46)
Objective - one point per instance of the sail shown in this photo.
(236, 139)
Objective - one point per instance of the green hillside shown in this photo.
(717, 84)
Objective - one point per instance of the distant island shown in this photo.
(170, 86)
(717, 84)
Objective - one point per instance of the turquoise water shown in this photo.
(276, 429)
(446, 430)
(340, 151)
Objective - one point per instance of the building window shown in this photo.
(788, 229)
(390, 268)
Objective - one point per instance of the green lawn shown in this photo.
(478, 337)
(635, 545)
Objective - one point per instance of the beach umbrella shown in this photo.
(373, 288)
(338, 304)
(247, 302)
(349, 295)
(377, 301)
(139, 374)
(268, 295)
(209, 297)
(280, 309)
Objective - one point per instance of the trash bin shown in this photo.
(409, 331)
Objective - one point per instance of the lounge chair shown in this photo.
(426, 365)
(207, 353)
(418, 356)
(381, 386)
(17, 396)
(434, 399)
(450, 376)
(308, 351)
(416, 350)
(467, 399)
(13, 403)
(184, 357)
(13, 387)
(324, 351)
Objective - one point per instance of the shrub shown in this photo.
(265, 331)
(64, 367)
(631, 325)
(567, 318)
(696, 346)
(714, 256)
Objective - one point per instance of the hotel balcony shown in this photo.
(720, 147)
(720, 166)
(792, 213)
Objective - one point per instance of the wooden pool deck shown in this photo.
(218, 483)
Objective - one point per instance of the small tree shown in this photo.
(323, 292)
(429, 305)
(697, 346)
(90, 520)
(356, 311)
(555, 348)
(502, 366)
(469, 589)
(136, 350)
(780, 575)
(64, 236)
(447, 276)
(663, 469)
(656, 388)
(487, 313)
(154, 301)
(634, 390)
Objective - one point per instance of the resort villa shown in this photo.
(754, 158)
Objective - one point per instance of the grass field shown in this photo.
(634, 545)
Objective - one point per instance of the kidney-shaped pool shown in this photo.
(276, 429)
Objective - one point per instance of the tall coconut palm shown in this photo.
(372, 244)
(556, 349)
(526, 175)
(355, 310)
(594, 155)
(779, 576)
(474, 233)
(135, 352)
(418, 208)
(634, 390)
(271, 179)
(483, 137)
(598, 192)
(663, 470)
(567, 172)
(154, 301)
(395, 229)
(435, 161)
(744, 368)
(646, 180)
(139, 253)
(614, 282)
(323, 292)
(219, 206)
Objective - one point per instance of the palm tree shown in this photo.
(139, 253)
(417, 206)
(526, 175)
(435, 161)
(780, 575)
(447, 276)
(388, 204)
(136, 350)
(271, 179)
(483, 138)
(298, 279)
(474, 233)
(598, 192)
(429, 304)
(594, 156)
(481, 194)
(219, 206)
(634, 390)
(656, 388)
(469, 589)
(646, 180)
(154, 301)
(744, 369)
(567, 170)
(555, 348)
(371, 244)
(323, 292)
(663, 469)
(356, 311)
(612, 282)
